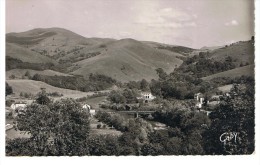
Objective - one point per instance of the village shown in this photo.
(144, 108)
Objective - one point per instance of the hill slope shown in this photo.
(33, 87)
(26, 55)
(19, 73)
(52, 41)
(127, 60)
(245, 70)
(241, 52)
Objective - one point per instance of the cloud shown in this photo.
(124, 34)
(231, 23)
(167, 18)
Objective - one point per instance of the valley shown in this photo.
(140, 97)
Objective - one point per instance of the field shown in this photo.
(225, 88)
(245, 70)
(33, 87)
(94, 102)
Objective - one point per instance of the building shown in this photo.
(86, 106)
(146, 96)
(198, 105)
(92, 112)
(19, 104)
(17, 107)
(199, 97)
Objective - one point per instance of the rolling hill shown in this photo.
(128, 59)
(241, 52)
(124, 60)
(26, 55)
(181, 50)
(245, 70)
(52, 41)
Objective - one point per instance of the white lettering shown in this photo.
(228, 136)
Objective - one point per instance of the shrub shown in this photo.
(98, 126)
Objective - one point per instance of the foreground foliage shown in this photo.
(59, 128)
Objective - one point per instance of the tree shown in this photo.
(28, 74)
(60, 128)
(144, 85)
(8, 89)
(253, 38)
(161, 73)
(133, 85)
(234, 115)
(36, 77)
(42, 98)
(103, 145)
(130, 96)
(116, 97)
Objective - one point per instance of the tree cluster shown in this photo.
(235, 114)
(123, 97)
(57, 128)
(199, 66)
(95, 82)
(12, 63)
(177, 85)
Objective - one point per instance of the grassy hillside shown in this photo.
(26, 55)
(33, 87)
(241, 52)
(18, 73)
(172, 48)
(126, 60)
(245, 70)
(52, 41)
(123, 60)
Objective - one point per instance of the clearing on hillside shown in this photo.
(245, 70)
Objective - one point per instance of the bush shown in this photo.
(98, 126)
(8, 89)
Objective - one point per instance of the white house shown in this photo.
(92, 112)
(147, 96)
(86, 106)
(16, 105)
(198, 105)
(199, 97)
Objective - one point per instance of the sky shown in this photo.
(192, 23)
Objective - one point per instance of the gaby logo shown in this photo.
(228, 136)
